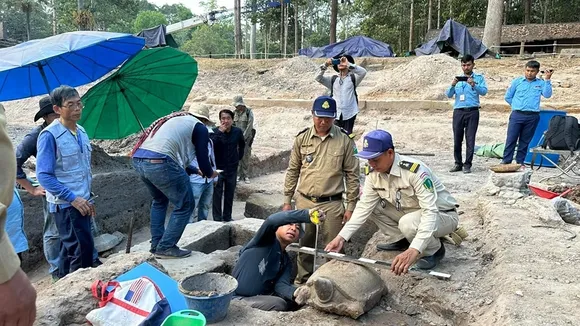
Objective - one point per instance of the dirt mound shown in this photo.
(294, 67)
(426, 75)
(101, 162)
(573, 195)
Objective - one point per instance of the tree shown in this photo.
(176, 13)
(27, 6)
(148, 19)
(212, 40)
(493, 25)
(333, 16)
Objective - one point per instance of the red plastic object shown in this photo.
(546, 193)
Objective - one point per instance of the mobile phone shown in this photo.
(335, 61)
(219, 171)
(462, 78)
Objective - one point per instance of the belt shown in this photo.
(473, 108)
(527, 112)
(449, 210)
(151, 160)
(322, 199)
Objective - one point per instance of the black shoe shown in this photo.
(97, 263)
(173, 252)
(429, 262)
(400, 245)
(456, 168)
(466, 169)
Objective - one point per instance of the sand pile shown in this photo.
(427, 76)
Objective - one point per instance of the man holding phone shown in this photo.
(466, 89)
(343, 88)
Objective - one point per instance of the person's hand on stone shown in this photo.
(404, 261)
(301, 295)
(335, 245)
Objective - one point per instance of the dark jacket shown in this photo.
(264, 268)
(26, 149)
(228, 148)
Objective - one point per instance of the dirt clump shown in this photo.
(573, 195)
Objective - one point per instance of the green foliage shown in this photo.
(176, 13)
(148, 19)
(14, 19)
(217, 39)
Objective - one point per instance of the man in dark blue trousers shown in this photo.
(524, 96)
(264, 270)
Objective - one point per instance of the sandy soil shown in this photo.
(514, 269)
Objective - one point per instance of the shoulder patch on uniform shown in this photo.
(302, 131)
(351, 136)
(428, 184)
(410, 166)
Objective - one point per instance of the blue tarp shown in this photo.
(453, 36)
(356, 46)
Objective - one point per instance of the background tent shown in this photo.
(156, 36)
(356, 46)
(453, 37)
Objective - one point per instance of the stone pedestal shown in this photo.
(513, 185)
(261, 206)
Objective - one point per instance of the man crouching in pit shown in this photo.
(264, 269)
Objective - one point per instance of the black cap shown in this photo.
(45, 105)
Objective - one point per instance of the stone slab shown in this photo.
(206, 236)
(244, 230)
(260, 205)
(229, 257)
(197, 263)
(107, 241)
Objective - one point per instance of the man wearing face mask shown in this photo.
(323, 159)
(343, 88)
(416, 208)
(229, 148)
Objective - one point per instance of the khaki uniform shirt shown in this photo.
(9, 262)
(418, 190)
(321, 164)
(245, 121)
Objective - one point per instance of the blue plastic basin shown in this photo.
(209, 293)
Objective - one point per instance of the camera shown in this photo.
(335, 61)
(544, 71)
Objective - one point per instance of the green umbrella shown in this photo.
(151, 85)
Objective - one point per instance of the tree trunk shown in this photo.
(411, 23)
(438, 14)
(302, 27)
(429, 14)
(296, 45)
(286, 29)
(28, 25)
(527, 11)
(333, 16)
(545, 17)
(253, 31)
(493, 25)
(506, 11)
(281, 26)
(450, 9)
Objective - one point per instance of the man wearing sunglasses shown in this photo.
(411, 206)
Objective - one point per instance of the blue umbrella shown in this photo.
(36, 67)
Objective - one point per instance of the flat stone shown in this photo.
(229, 257)
(68, 301)
(244, 230)
(514, 181)
(261, 206)
(105, 242)
(197, 263)
(206, 236)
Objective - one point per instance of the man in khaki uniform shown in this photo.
(17, 296)
(322, 158)
(244, 119)
(410, 205)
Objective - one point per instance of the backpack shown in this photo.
(134, 302)
(563, 133)
(333, 79)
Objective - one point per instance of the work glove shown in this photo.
(317, 216)
(457, 236)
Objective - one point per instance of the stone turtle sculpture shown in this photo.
(342, 288)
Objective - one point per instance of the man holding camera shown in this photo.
(343, 88)
(466, 89)
(524, 96)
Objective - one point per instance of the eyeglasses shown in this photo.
(71, 106)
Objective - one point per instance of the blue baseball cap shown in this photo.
(376, 143)
(324, 107)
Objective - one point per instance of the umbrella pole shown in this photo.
(43, 74)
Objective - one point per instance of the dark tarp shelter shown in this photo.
(157, 36)
(356, 46)
(453, 37)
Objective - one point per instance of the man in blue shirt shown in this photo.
(466, 112)
(264, 270)
(64, 171)
(524, 96)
